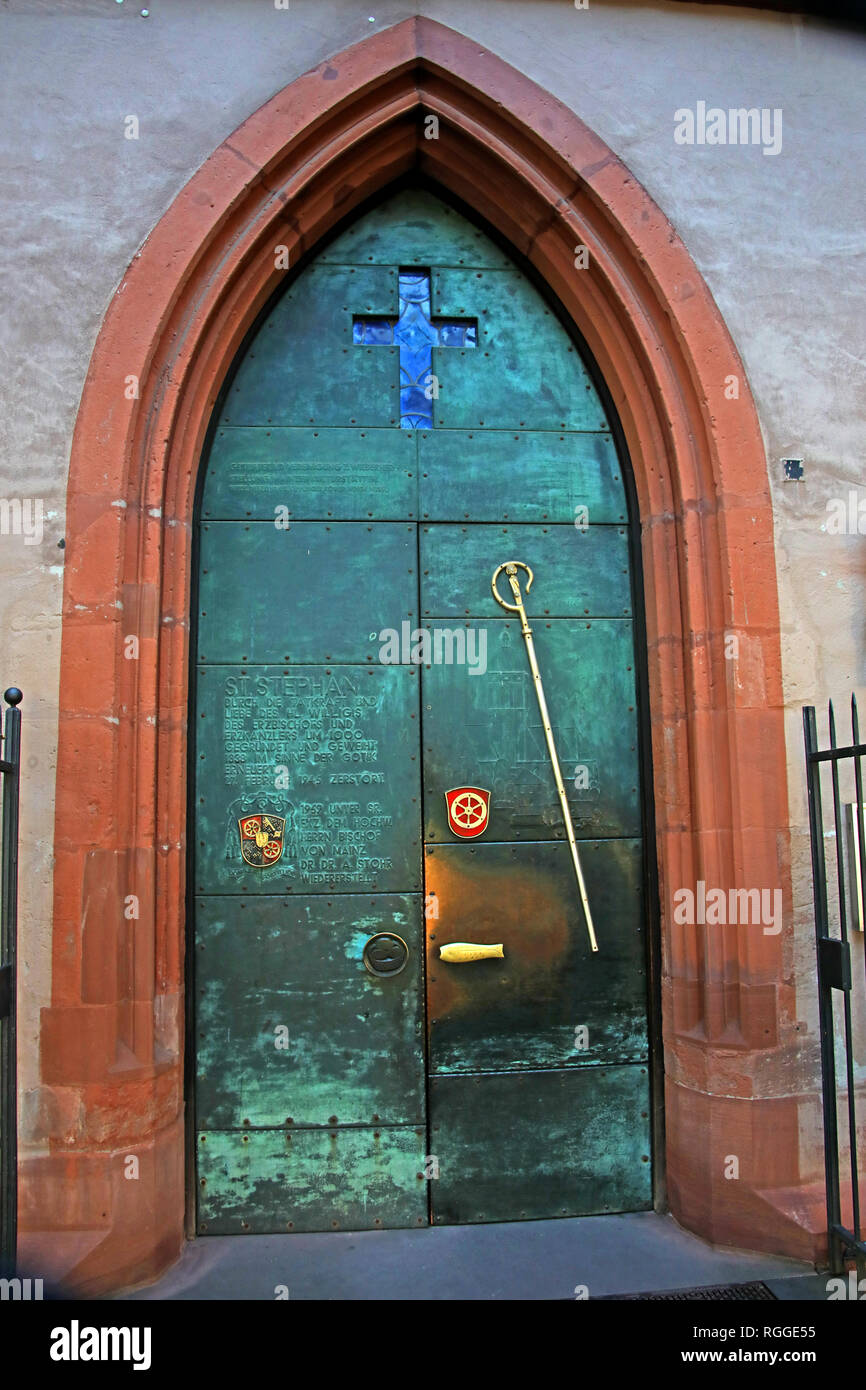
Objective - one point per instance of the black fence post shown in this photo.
(825, 999)
(10, 766)
(833, 958)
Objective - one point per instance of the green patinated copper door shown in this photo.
(372, 781)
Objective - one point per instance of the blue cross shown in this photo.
(416, 333)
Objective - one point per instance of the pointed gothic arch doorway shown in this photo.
(313, 154)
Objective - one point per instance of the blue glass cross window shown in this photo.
(416, 333)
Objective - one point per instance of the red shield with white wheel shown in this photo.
(468, 811)
(262, 839)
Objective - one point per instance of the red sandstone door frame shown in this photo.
(112, 1040)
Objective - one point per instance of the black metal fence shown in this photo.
(836, 981)
(10, 764)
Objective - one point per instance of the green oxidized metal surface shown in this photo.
(364, 475)
(319, 591)
(525, 372)
(303, 368)
(544, 1004)
(507, 475)
(539, 1144)
(311, 1180)
(292, 1024)
(415, 228)
(483, 727)
(578, 572)
(325, 527)
(333, 752)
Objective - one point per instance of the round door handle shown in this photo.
(385, 954)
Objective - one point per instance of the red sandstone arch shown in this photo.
(112, 1051)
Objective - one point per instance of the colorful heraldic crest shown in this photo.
(261, 839)
(468, 811)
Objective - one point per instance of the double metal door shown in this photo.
(372, 781)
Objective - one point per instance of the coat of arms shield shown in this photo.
(262, 836)
(468, 811)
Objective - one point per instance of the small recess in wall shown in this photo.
(793, 468)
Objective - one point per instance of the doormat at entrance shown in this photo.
(710, 1293)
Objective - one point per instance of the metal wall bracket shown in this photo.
(834, 962)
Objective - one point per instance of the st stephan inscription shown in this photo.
(312, 737)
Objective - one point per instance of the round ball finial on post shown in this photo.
(13, 696)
